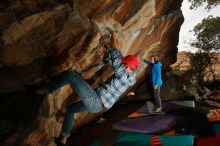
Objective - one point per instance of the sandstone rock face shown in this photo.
(183, 61)
(183, 64)
(41, 39)
(174, 87)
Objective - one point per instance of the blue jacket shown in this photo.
(155, 72)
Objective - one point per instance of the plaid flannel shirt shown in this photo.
(118, 83)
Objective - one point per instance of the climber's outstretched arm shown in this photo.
(114, 42)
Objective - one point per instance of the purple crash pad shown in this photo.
(148, 123)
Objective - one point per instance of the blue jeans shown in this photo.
(90, 102)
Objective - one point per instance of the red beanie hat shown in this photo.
(131, 61)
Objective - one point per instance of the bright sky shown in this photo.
(192, 17)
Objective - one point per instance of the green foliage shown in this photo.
(207, 34)
(197, 3)
(207, 40)
(201, 63)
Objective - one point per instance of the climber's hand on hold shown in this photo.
(107, 56)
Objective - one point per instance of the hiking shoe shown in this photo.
(158, 110)
(57, 141)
